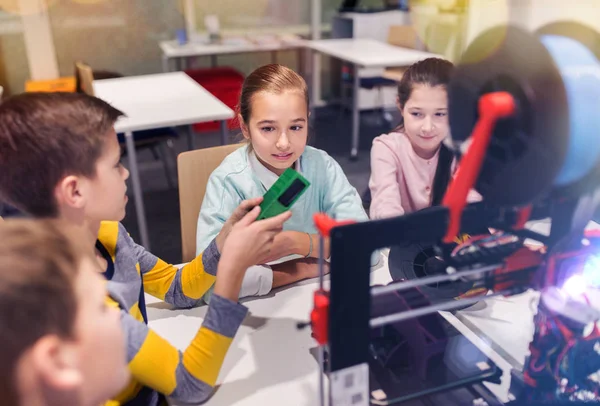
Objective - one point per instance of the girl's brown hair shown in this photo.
(272, 78)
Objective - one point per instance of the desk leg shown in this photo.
(137, 190)
(300, 62)
(190, 137)
(224, 133)
(355, 113)
(310, 76)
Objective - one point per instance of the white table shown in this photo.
(269, 360)
(156, 101)
(365, 53)
(173, 50)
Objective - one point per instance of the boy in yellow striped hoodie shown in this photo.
(60, 158)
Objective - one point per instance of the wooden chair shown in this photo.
(84, 78)
(404, 36)
(194, 169)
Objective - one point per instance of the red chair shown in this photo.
(225, 84)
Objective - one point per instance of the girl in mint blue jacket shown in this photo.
(274, 120)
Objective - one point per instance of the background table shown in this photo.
(156, 101)
(172, 50)
(365, 53)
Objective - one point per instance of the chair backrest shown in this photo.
(403, 36)
(84, 78)
(194, 169)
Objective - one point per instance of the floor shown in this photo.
(331, 133)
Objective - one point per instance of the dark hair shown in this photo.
(431, 72)
(39, 263)
(272, 78)
(44, 137)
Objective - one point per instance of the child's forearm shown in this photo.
(189, 376)
(307, 245)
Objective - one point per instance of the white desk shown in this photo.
(365, 53)
(156, 101)
(269, 360)
(172, 49)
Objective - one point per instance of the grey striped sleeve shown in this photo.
(224, 317)
(135, 334)
(175, 295)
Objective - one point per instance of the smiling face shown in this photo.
(277, 128)
(425, 117)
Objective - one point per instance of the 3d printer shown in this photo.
(524, 116)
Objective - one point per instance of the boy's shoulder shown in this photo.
(110, 234)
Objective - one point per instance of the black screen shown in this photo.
(296, 187)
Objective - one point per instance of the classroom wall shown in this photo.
(123, 36)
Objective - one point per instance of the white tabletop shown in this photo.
(160, 100)
(269, 359)
(369, 53)
(172, 49)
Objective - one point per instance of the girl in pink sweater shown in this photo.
(411, 167)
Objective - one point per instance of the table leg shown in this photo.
(137, 190)
(213, 61)
(310, 77)
(165, 63)
(355, 113)
(224, 133)
(190, 137)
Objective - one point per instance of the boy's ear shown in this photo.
(244, 127)
(70, 191)
(57, 363)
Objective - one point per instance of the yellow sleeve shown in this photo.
(189, 376)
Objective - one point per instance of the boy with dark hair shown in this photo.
(60, 158)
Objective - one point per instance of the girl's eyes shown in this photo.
(271, 129)
(416, 114)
